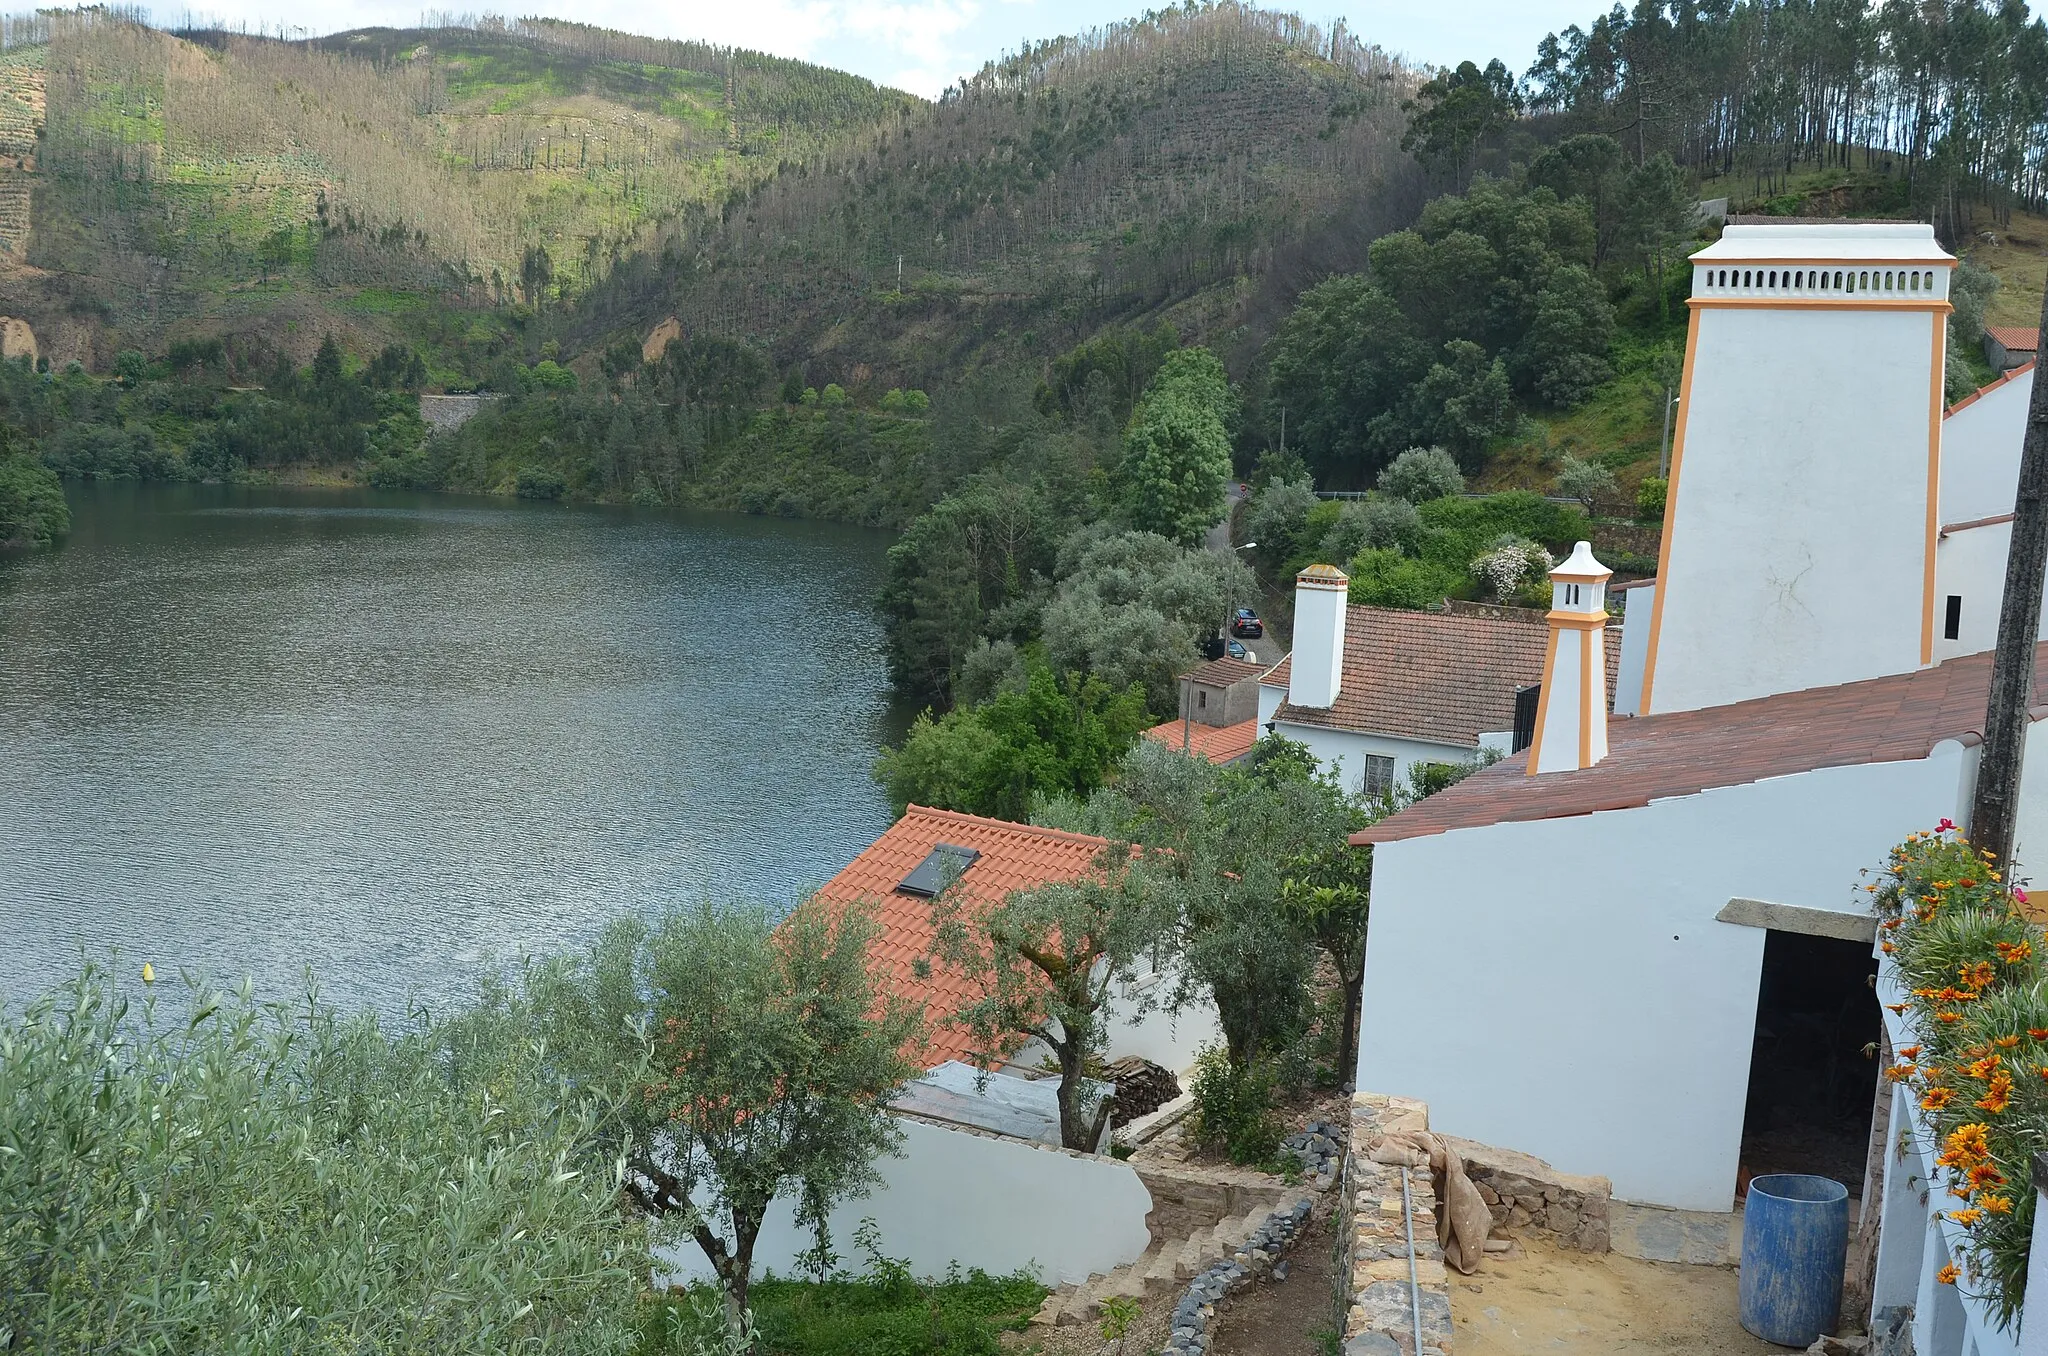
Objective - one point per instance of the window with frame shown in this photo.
(1378, 777)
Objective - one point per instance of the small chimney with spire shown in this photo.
(1571, 713)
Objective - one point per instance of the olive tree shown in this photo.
(1047, 963)
(751, 1060)
(207, 1173)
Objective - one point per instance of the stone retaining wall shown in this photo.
(1373, 1241)
(1526, 1195)
(446, 413)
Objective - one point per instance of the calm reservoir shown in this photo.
(387, 735)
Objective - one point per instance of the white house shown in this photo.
(1375, 691)
(1639, 948)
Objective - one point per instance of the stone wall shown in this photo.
(446, 413)
(1526, 1195)
(1379, 1317)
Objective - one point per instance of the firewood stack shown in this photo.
(1142, 1087)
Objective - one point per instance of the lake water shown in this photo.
(388, 735)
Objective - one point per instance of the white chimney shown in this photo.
(1321, 594)
(1571, 713)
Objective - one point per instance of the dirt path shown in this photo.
(1294, 1317)
(1581, 1304)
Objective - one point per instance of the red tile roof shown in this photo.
(1432, 676)
(1224, 672)
(1878, 720)
(1013, 857)
(2015, 338)
(1217, 743)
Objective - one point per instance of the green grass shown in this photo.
(963, 1315)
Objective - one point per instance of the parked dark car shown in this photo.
(1238, 651)
(1245, 622)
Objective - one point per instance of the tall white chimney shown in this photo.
(1321, 594)
(1571, 713)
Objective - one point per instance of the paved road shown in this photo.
(1266, 650)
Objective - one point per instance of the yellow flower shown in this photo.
(1966, 1218)
(1996, 1205)
(1947, 1275)
(148, 973)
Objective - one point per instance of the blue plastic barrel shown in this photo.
(1795, 1238)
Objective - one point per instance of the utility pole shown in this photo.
(2019, 623)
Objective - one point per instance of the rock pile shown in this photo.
(1319, 1152)
(1259, 1255)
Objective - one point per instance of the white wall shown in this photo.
(997, 1204)
(1635, 643)
(1980, 452)
(1270, 698)
(1796, 540)
(1562, 987)
(1344, 752)
(1168, 1039)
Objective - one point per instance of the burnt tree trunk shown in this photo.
(2019, 623)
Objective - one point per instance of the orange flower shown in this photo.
(1899, 1073)
(1936, 1098)
(1999, 1095)
(2012, 953)
(2005, 1042)
(1909, 1051)
(1996, 1205)
(2038, 1033)
(1947, 1275)
(1887, 948)
(1949, 1016)
(1977, 976)
(1898, 1007)
(1983, 1068)
(1966, 1218)
(1986, 1175)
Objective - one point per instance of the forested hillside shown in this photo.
(1197, 166)
(382, 184)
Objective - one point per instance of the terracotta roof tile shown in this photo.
(1430, 675)
(1013, 857)
(1224, 672)
(1878, 720)
(2015, 338)
(1217, 743)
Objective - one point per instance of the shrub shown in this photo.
(549, 375)
(218, 1175)
(1509, 567)
(32, 507)
(1384, 578)
(1233, 1108)
(540, 482)
(833, 395)
(1421, 474)
(1372, 524)
(1650, 499)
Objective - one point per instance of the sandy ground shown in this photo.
(1580, 1304)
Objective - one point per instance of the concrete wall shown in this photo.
(1980, 452)
(1168, 1039)
(998, 1204)
(1580, 1001)
(1787, 408)
(446, 413)
(1214, 704)
(1640, 607)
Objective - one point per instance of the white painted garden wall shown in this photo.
(1168, 1039)
(1980, 452)
(998, 1204)
(1563, 987)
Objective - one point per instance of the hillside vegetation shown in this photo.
(380, 184)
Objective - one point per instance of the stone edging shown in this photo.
(1317, 1149)
(1259, 1255)
(1373, 1262)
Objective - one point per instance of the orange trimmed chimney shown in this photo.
(1571, 714)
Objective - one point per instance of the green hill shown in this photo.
(381, 184)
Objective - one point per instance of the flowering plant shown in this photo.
(1972, 960)
(1510, 562)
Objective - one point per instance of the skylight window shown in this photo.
(945, 865)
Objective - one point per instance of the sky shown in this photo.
(924, 45)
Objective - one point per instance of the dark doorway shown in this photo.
(1811, 1079)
